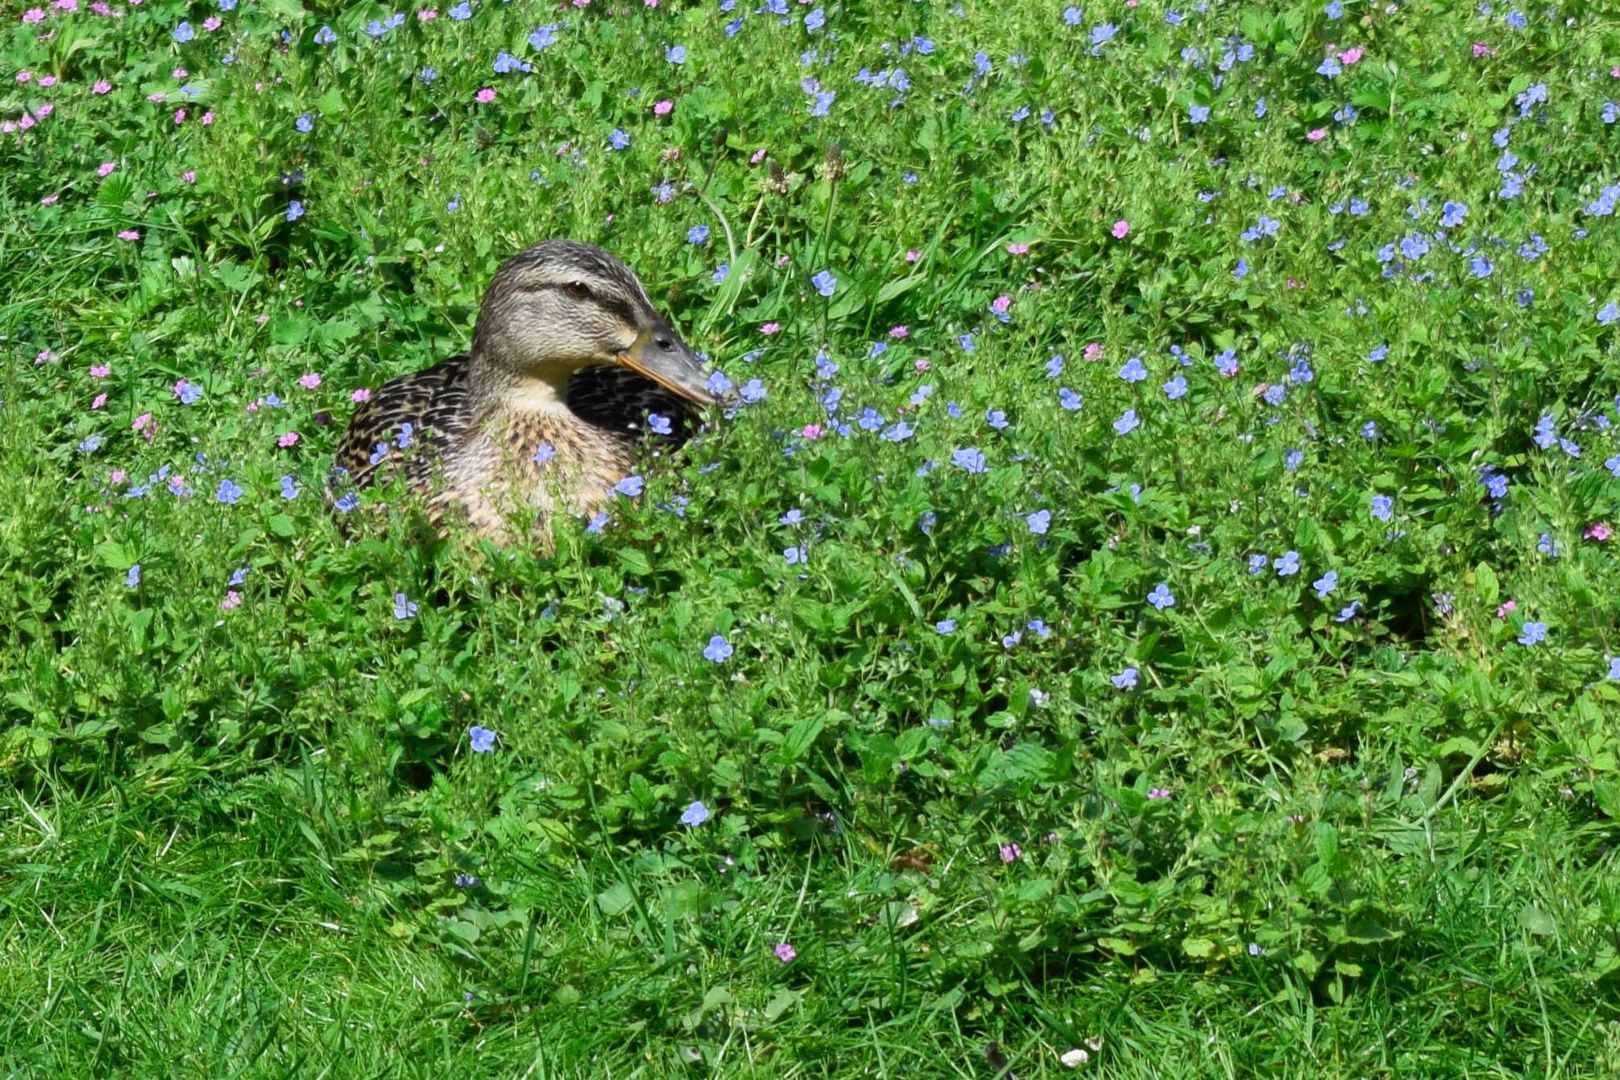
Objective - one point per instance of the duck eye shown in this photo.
(578, 290)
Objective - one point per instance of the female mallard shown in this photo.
(546, 413)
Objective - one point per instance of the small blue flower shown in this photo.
(1325, 584)
(815, 20)
(694, 815)
(718, 384)
(1287, 564)
(796, 554)
(295, 210)
(1069, 399)
(325, 36)
(752, 392)
(1257, 564)
(1127, 422)
(544, 453)
(1160, 597)
(1348, 612)
(1125, 680)
(969, 459)
(481, 739)
(1533, 633)
(618, 139)
(183, 33)
(824, 282)
(1609, 314)
(675, 54)
(544, 37)
(698, 234)
(305, 123)
(899, 431)
(1039, 522)
(794, 516)
(945, 626)
(133, 578)
(718, 650)
(658, 425)
(598, 522)
(228, 492)
(1198, 114)
(1133, 371)
(996, 418)
(630, 486)
(289, 487)
(404, 608)
(1176, 388)
(1382, 507)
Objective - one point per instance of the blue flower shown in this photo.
(305, 123)
(1333, 9)
(91, 444)
(658, 425)
(404, 608)
(183, 33)
(1039, 521)
(1533, 633)
(1382, 507)
(289, 487)
(996, 418)
(1292, 460)
(823, 101)
(721, 272)
(945, 626)
(1176, 388)
(325, 36)
(1348, 612)
(1054, 367)
(1287, 564)
(1614, 667)
(481, 739)
(1069, 399)
(295, 210)
(899, 431)
(694, 815)
(630, 486)
(717, 650)
(1133, 371)
(1609, 314)
(1198, 114)
(347, 502)
(675, 54)
(228, 493)
(796, 554)
(133, 578)
(618, 140)
(1330, 67)
(1125, 680)
(544, 453)
(598, 522)
(697, 234)
(815, 20)
(1160, 597)
(718, 384)
(1257, 564)
(824, 282)
(793, 517)
(1325, 584)
(968, 458)
(1072, 16)
(752, 392)
(1127, 422)
(542, 38)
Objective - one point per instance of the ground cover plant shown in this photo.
(1149, 608)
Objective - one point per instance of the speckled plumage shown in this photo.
(555, 318)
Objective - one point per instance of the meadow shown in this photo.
(1150, 608)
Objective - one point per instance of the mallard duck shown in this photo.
(548, 411)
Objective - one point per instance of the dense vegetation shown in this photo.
(1151, 610)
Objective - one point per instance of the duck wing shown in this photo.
(437, 406)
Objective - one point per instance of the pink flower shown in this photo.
(1011, 853)
(1121, 227)
(180, 73)
(759, 156)
(287, 439)
(8, 126)
(1351, 56)
(46, 109)
(49, 200)
(361, 396)
(179, 117)
(100, 371)
(485, 96)
(1000, 304)
(784, 951)
(1507, 609)
(212, 23)
(66, 5)
(1158, 793)
(156, 99)
(34, 15)
(233, 599)
(1018, 249)
(189, 176)
(208, 118)
(663, 107)
(811, 432)
(44, 356)
(117, 476)
(309, 380)
(427, 15)
(25, 76)
(129, 234)
(1598, 531)
(1316, 135)
(106, 168)
(47, 80)
(141, 422)
(1092, 350)
(899, 331)
(921, 363)
(27, 121)
(770, 328)
(101, 87)
(1482, 49)
(912, 255)
(101, 399)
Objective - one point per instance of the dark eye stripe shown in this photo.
(613, 305)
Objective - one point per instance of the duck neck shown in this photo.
(501, 387)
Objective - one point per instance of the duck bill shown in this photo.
(661, 356)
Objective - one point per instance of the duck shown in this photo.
(572, 370)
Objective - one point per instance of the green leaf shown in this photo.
(615, 900)
(1537, 921)
(800, 738)
(1485, 585)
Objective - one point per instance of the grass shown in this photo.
(1235, 695)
